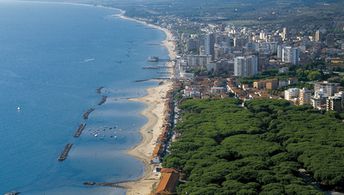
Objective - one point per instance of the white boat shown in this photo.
(153, 59)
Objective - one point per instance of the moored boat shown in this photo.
(153, 59)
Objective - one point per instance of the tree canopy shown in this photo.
(225, 148)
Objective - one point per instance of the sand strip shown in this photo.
(155, 112)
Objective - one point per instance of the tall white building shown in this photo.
(284, 34)
(262, 35)
(209, 45)
(336, 102)
(305, 96)
(291, 55)
(279, 51)
(325, 88)
(292, 94)
(245, 66)
(198, 61)
(317, 35)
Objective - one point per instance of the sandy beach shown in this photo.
(155, 112)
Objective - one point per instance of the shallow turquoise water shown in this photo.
(53, 57)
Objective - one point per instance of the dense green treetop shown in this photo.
(225, 148)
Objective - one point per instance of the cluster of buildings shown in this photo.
(246, 51)
(228, 50)
(260, 89)
(204, 87)
(298, 96)
(215, 52)
(326, 96)
(239, 52)
(272, 84)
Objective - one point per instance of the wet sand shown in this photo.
(155, 109)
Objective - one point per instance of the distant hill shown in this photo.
(255, 11)
(323, 13)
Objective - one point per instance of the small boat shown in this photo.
(89, 183)
(153, 59)
(12, 193)
(89, 60)
(18, 108)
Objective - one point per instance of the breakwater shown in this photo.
(87, 113)
(63, 156)
(99, 90)
(79, 130)
(103, 100)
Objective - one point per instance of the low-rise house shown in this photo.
(191, 92)
(217, 90)
(271, 84)
(282, 83)
(292, 81)
(156, 153)
(259, 84)
(168, 182)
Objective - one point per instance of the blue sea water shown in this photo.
(53, 57)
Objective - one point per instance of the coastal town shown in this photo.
(257, 62)
(304, 66)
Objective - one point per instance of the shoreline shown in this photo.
(155, 112)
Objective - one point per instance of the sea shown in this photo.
(54, 59)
